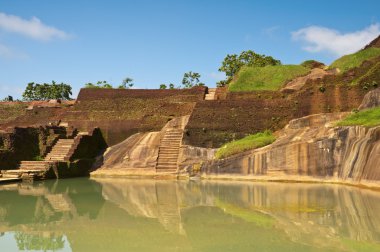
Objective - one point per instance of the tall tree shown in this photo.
(191, 79)
(45, 91)
(127, 83)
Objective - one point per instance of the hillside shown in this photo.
(269, 78)
(351, 61)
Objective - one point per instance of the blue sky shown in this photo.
(155, 42)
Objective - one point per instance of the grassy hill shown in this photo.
(266, 78)
(350, 61)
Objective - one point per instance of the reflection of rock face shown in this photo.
(316, 215)
(309, 213)
(310, 146)
(147, 198)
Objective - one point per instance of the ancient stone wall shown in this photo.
(214, 123)
(24, 144)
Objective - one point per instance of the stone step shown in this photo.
(167, 161)
(169, 143)
(169, 148)
(166, 151)
(168, 154)
(34, 162)
(172, 137)
(10, 175)
(171, 164)
(165, 168)
(168, 171)
(62, 146)
(57, 154)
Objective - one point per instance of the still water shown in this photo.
(148, 215)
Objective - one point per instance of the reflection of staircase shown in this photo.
(210, 96)
(59, 202)
(169, 151)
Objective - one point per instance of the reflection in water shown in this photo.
(119, 214)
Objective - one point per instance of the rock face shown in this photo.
(371, 99)
(299, 82)
(311, 146)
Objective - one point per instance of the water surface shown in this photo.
(149, 215)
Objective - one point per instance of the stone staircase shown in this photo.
(29, 170)
(62, 150)
(210, 96)
(169, 151)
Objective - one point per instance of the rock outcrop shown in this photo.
(371, 99)
(310, 148)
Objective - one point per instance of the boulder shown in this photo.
(371, 99)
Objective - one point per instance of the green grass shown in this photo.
(368, 118)
(247, 143)
(266, 78)
(350, 61)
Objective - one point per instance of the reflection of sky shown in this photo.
(8, 243)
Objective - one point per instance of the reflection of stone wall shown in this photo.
(125, 212)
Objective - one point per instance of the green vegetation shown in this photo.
(247, 143)
(371, 77)
(191, 79)
(368, 118)
(312, 64)
(266, 78)
(350, 61)
(127, 83)
(233, 63)
(99, 84)
(9, 112)
(38, 92)
(8, 98)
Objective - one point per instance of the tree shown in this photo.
(45, 91)
(99, 84)
(233, 63)
(163, 86)
(171, 86)
(191, 79)
(8, 98)
(127, 83)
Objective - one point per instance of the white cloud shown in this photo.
(322, 39)
(32, 28)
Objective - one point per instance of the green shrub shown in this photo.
(247, 143)
(368, 118)
(312, 64)
(266, 78)
(350, 61)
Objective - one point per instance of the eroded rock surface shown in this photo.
(371, 99)
(311, 146)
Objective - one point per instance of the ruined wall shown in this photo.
(214, 123)
(27, 144)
